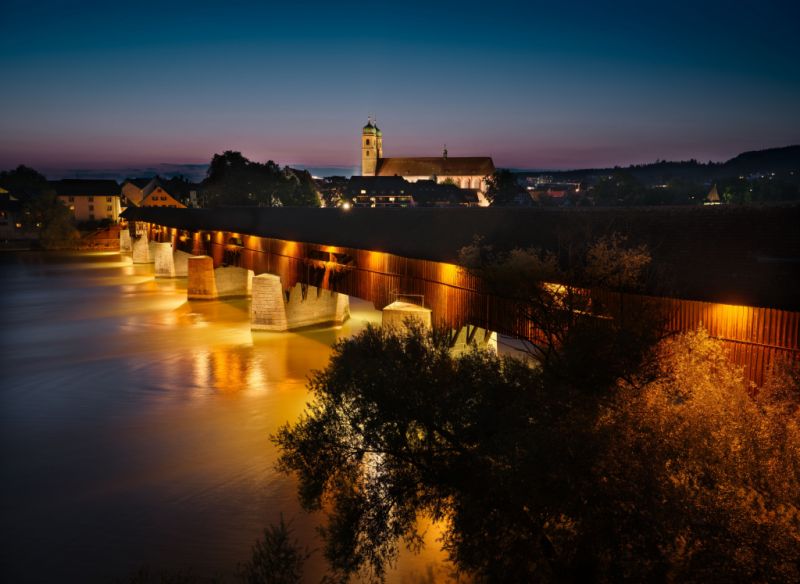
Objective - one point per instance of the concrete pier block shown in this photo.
(397, 313)
(233, 282)
(162, 258)
(125, 240)
(201, 285)
(469, 335)
(181, 261)
(317, 307)
(141, 251)
(267, 305)
(270, 310)
(207, 283)
(342, 307)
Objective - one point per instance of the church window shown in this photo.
(368, 153)
(367, 141)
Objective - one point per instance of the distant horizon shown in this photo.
(196, 171)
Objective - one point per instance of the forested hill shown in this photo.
(770, 160)
(777, 160)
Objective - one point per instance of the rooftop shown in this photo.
(736, 255)
(436, 166)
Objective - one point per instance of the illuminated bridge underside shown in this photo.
(755, 336)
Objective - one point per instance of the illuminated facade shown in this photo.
(463, 172)
(89, 200)
(148, 193)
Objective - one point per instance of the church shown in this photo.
(464, 172)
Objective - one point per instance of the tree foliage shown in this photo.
(585, 330)
(617, 454)
(621, 188)
(234, 180)
(276, 558)
(41, 212)
(704, 479)
(396, 430)
(502, 188)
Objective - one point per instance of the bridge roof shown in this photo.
(737, 255)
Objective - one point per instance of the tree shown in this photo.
(23, 182)
(502, 188)
(621, 188)
(680, 476)
(575, 302)
(397, 430)
(703, 480)
(503, 449)
(41, 210)
(300, 190)
(737, 191)
(276, 559)
(234, 180)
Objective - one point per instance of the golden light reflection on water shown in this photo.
(186, 397)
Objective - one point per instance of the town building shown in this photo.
(157, 196)
(463, 172)
(133, 191)
(89, 199)
(152, 192)
(395, 191)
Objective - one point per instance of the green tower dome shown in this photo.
(369, 129)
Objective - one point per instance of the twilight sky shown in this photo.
(533, 84)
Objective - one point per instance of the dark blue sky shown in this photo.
(533, 84)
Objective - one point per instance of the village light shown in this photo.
(346, 205)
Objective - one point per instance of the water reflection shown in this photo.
(134, 424)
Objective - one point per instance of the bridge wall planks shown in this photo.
(755, 336)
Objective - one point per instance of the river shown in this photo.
(135, 424)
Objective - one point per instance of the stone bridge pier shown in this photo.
(272, 309)
(143, 250)
(170, 263)
(399, 313)
(462, 340)
(125, 240)
(205, 282)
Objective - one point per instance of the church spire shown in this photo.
(370, 141)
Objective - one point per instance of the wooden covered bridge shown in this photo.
(733, 270)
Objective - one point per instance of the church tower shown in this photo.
(371, 148)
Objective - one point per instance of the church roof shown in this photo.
(436, 165)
